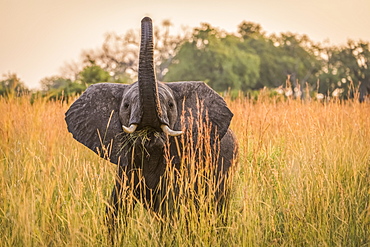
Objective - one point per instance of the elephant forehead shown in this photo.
(164, 91)
(133, 91)
(132, 94)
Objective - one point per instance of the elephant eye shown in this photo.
(170, 104)
(126, 105)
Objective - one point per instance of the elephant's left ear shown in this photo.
(190, 94)
(93, 119)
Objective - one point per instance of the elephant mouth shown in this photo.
(143, 139)
(167, 130)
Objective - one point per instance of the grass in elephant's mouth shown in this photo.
(141, 137)
(302, 180)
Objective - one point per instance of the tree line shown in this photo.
(243, 61)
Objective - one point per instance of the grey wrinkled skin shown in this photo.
(95, 119)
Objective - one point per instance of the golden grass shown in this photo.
(303, 179)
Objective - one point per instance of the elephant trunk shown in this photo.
(148, 87)
(151, 111)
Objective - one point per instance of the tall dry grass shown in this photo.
(302, 180)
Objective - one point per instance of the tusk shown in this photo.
(169, 131)
(130, 129)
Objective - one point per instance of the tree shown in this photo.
(53, 83)
(355, 61)
(11, 85)
(214, 57)
(345, 67)
(249, 59)
(271, 71)
(249, 30)
(166, 47)
(56, 87)
(330, 73)
(93, 74)
(119, 54)
(298, 58)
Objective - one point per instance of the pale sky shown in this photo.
(37, 37)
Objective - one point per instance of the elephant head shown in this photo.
(106, 115)
(107, 112)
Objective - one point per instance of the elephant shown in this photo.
(148, 126)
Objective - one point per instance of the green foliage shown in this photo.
(214, 57)
(346, 66)
(53, 82)
(57, 88)
(251, 60)
(93, 74)
(115, 61)
(271, 73)
(119, 54)
(250, 30)
(247, 60)
(11, 85)
(297, 58)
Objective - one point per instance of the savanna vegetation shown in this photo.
(302, 180)
(303, 170)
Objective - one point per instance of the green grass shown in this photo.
(303, 179)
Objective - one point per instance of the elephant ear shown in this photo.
(190, 94)
(94, 121)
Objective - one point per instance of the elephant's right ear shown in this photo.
(93, 119)
(189, 94)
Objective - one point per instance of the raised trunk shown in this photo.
(148, 88)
